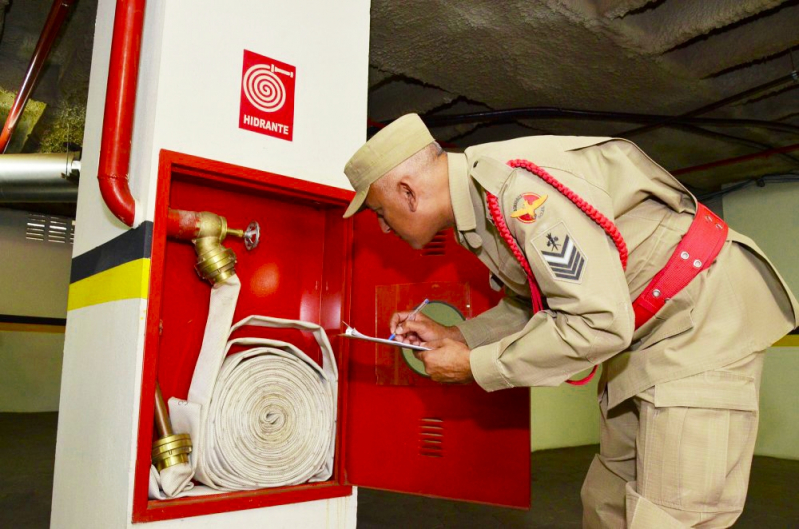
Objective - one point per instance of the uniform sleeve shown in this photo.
(578, 270)
(509, 316)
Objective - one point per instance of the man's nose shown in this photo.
(383, 226)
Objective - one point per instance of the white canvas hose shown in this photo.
(261, 417)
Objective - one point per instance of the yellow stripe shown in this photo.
(792, 340)
(31, 327)
(127, 281)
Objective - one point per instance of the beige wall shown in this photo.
(564, 416)
(35, 283)
(770, 215)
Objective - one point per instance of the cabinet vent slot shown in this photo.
(437, 246)
(431, 437)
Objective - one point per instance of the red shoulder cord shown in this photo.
(588, 209)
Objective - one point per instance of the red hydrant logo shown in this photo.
(267, 96)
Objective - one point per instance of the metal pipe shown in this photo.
(58, 12)
(120, 100)
(215, 262)
(39, 177)
(532, 113)
(791, 77)
(737, 159)
(693, 129)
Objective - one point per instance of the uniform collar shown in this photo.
(490, 173)
(462, 207)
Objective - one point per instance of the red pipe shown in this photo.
(120, 100)
(737, 159)
(182, 224)
(58, 12)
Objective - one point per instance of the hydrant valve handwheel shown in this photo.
(252, 236)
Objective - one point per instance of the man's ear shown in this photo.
(408, 195)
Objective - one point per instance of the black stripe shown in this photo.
(567, 266)
(32, 320)
(572, 275)
(131, 245)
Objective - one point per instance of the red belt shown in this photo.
(696, 252)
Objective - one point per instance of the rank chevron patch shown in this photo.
(560, 252)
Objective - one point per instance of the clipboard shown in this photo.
(353, 333)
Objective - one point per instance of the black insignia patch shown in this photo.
(560, 252)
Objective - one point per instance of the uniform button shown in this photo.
(684, 255)
(475, 165)
(697, 263)
(656, 293)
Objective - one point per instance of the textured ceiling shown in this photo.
(636, 56)
(440, 57)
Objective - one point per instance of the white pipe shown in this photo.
(39, 177)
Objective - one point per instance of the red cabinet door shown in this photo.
(404, 432)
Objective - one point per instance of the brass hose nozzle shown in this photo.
(170, 449)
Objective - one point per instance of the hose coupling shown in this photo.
(217, 263)
(170, 449)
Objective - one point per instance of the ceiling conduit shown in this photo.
(792, 77)
(533, 113)
(737, 159)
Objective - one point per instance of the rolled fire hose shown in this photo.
(261, 417)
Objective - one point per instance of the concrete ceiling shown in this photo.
(439, 57)
(638, 56)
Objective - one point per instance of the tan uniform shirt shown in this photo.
(737, 306)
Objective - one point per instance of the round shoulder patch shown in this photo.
(528, 207)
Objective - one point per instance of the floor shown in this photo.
(27, 450)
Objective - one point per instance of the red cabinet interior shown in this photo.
(308, 266)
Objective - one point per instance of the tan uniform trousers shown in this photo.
(678, 454)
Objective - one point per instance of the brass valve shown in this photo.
(215, 262)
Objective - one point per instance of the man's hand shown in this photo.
(421, 329)
(448, 361)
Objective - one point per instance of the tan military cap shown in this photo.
(394, 144)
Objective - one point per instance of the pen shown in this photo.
(413, 314)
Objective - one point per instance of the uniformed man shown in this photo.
(680, 328)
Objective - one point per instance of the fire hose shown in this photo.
(261, 417)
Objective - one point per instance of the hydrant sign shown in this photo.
(267, 96)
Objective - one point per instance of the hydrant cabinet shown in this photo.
(397, 430)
